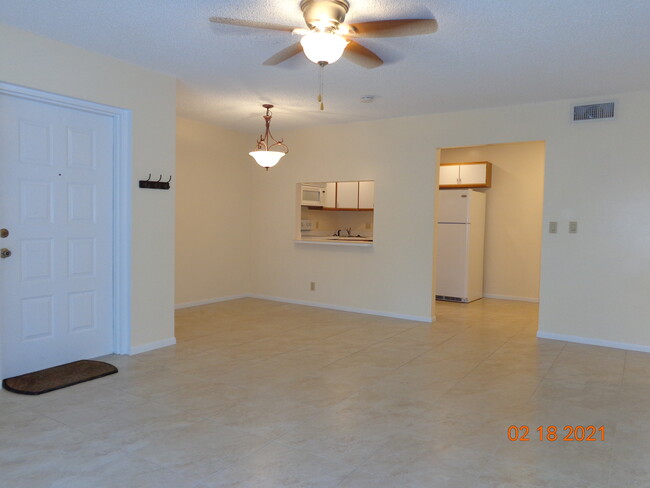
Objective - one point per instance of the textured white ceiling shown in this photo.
(486, 53)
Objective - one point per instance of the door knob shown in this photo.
(5, 253)
(4, 233)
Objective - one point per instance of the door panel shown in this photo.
(36, 202)
(451, 270)
(36, 259)
(36, 318)
(56, 189)
(35, 142)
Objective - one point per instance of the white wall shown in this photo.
(593, 284)
(513, 230)
(43, 64)
(213, 212)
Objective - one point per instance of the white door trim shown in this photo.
(121, 200)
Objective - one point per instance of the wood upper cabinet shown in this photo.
(466, 175)
(350, 195)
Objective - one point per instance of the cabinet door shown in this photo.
(347, 194)
(473, 174)
(330, 195)
(366, 194)
(449, 174)
(466, 175)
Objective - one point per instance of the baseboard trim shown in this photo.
(208, 301)
(152, 345)
(416, 318)
(508, 297)
(592, 342)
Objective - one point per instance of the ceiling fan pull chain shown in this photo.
(320, 85)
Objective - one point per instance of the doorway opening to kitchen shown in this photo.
(513, 220)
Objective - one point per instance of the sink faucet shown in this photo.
(338, 233)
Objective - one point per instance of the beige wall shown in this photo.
(40, 63)
(513, 231)
(385, 278)
(213, 212)
(593, 284)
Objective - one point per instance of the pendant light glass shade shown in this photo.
(266, 159)
(323, 47)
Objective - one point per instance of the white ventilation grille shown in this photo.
(594, 111)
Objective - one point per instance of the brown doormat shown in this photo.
(58, 377)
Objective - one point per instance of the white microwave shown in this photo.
(312, 196)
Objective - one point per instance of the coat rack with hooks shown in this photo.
(155, 185)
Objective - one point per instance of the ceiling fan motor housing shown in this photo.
(324, 15)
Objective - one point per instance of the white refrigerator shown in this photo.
(461, 236)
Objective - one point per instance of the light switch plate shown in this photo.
(552, 227)
(573, 227)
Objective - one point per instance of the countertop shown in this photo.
(336, 241)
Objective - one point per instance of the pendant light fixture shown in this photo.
(263, 155)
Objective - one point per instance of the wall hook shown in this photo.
(155, 185)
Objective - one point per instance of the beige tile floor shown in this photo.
(265, 394)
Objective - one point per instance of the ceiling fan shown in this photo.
(326, 37)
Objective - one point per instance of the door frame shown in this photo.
(122, 205)
(437, 163)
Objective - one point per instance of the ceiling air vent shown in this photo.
(594, 111)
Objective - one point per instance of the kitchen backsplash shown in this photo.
(328, 222)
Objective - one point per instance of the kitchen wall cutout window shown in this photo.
(336, 211)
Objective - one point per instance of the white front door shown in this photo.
(56, 190)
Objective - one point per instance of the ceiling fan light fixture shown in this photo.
(263, 153)
(323, 47)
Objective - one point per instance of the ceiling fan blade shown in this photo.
(252, 24)
(362, 56)
(392, 28)
(286, 53)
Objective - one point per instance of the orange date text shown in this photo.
(552, 433)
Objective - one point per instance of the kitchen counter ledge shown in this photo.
(327, 242)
